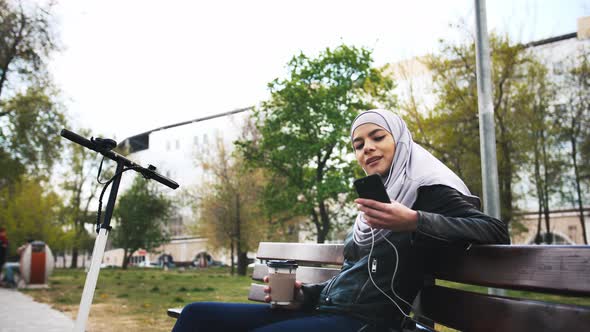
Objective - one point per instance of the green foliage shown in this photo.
(545, 163)
(451, 130)
(229, 210)
(30, 118)
(29, 133)
(29, 211)
(573, 116)
(79, 191)
(141, 215)
(542, 123)
(573, 119)
(27, 37)
(305, 128)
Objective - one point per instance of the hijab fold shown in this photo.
(412, 167)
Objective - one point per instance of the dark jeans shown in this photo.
(216, 316)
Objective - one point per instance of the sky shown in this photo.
(128, 66)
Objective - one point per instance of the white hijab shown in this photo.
(412, 168)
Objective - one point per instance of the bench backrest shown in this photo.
(317, 262)
(561, 270)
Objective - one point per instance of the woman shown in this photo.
(383, 254)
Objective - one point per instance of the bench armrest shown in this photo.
(174, 312)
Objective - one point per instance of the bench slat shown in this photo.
(304, 252)
(550, 269)
(256, 293)
(305, 274)
(469, 311)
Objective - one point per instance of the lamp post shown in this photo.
(487, 132)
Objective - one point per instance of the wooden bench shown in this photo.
(559, 270)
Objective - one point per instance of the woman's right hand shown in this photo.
(297, 298)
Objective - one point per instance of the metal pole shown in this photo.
(487, 133)
(91, 279)
(97, 255)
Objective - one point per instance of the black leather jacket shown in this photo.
(446, 217)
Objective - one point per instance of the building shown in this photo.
(175, 150)
(181, 251)
(565, 227)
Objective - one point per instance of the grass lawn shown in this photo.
(137, 299)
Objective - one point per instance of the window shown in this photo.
(558, 67)
(560, 108)
(572, 232)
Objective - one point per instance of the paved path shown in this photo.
(19, 313)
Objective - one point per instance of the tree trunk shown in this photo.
(323, 224)
(504, 166)
(232, 256)
(125, 259)
(505, 181)
(242, 263)
(242, 254)
(578, 189)
(549, 236)
(539, 188)
(325, 220)
(74, 262)
(321, 236)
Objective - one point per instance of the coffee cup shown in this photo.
(281, 279)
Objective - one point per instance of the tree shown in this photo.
(30, 117)
(230, 210)
(545, 157)
(141, 216)
(29, 139)
(585, 156)
(574, 119)
(27, 37)
(304, 130)
(80, 189)
(31, 212)
(453, 130)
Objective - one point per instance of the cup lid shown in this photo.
(282, 264)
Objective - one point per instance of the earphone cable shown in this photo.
(392, 279)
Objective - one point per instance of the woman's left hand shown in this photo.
(393, 216)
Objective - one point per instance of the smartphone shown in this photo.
(371, 187)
